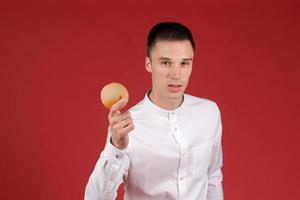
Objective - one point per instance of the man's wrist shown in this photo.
(119, 146)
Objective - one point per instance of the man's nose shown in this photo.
(175, 72)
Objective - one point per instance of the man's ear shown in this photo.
(148, 64)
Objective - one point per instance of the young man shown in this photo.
(168, 146)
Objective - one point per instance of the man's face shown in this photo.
(170, 64)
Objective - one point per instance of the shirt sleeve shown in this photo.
(108, 174)
(215, 190)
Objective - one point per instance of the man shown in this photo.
(168, 146)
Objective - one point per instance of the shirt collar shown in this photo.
(160, 111)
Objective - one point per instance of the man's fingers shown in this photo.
(125, 130)
(118, 106)
(118, 117)
(123, 124)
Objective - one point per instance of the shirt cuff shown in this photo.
(113, 152)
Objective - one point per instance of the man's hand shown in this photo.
(120, 124)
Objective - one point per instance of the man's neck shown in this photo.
(169, 104)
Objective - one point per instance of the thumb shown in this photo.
(118, 106)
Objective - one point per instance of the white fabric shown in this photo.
(171, 155)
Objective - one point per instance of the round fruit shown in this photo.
(111, 93)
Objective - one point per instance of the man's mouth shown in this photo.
(174, 87)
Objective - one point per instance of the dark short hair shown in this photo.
(168, 31)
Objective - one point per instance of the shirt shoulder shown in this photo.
(201, 103)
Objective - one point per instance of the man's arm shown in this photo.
(113, 163)
(215, 190)
(108, 173)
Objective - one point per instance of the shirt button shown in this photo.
(118, 156)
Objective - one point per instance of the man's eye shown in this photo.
(185, 63)
(165, 63)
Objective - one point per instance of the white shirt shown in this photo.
(171, 155)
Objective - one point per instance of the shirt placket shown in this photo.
(181, 173)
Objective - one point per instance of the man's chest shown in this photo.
(163, 149)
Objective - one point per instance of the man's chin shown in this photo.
(176, 96)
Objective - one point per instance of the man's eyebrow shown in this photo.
(184, 59)
(164, 58)
(187, 59)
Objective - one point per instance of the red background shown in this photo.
(56, 56)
